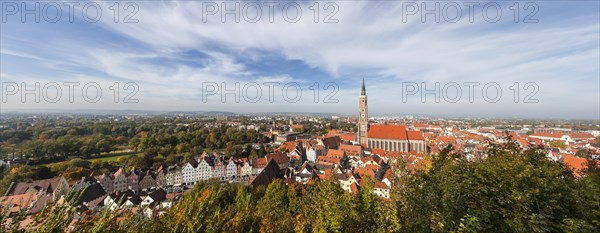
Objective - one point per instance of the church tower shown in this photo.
(363, 118)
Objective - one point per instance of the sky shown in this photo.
(537, 60)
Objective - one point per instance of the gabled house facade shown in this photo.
(231, 170)
(147, 181)
(119, 181)
(133, 180)
(204, 170)
(106, 182)
(189, 173)
(218, 171)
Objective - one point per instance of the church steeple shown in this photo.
(363, 117)
(363, 91)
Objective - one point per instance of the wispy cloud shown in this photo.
(172, 51)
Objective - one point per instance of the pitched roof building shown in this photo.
(57, 186)
(386, 137)
(395, 138)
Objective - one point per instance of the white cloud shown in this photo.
(371, 38)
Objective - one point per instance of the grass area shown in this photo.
(111, 158)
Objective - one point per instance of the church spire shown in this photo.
(363, 118)
(363, 91)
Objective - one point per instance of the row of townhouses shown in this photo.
(205, 167)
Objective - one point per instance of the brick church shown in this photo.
(386, 137)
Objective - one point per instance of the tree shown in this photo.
(75, 173)
(72, 132)
(253, 154)
(329, 208)
(583, 153)
(262, 151)
(558, 144)
(509, 191)
(80, 163)
(137, 161)
(273, 209)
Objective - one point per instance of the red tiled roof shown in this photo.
(351, 150)
(387, 132)
(377, 151)
(48, 185)
(575, 163)
(331, 142)
(289, 146)
(415, 135)
(324, 160)
(335, 153)
(334, 132)
(446, 139)
(381, 185)
(17, 202)
(547, 135)
(259, 162)
(348, 136)
(280, 158)
(353, 188)
(581, 136)
(365, 172)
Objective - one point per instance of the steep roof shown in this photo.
(415, 135)
(332, 142)
(280, 158)
(363, 90)
(18, 202)
(267, 175)
(289, 146)
(120, 172)
(335, 153)
(90, 193)
(259, 162)
(47, 185)
(353, 188)
(194, 163)
(351, 150)
(381, 185)
(158, 195)
(397, 132)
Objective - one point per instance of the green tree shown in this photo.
(558, 144)
(273, 209)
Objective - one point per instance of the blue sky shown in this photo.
(172, 50)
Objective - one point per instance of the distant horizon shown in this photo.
(125, 112)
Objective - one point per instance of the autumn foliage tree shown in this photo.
(510, 190)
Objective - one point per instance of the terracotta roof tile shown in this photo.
(581, 136)
(387, 132)
(351, 150)
(335, 153)
(415, 135)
